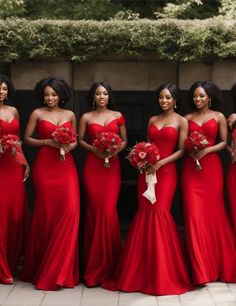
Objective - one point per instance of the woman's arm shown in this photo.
(231, 144)
(123, 136)
(232, 150)
(30, 129)
(71, 146)
(25, 164)
(81, 134)
(231, 120)
(223, 138)
(15, 113)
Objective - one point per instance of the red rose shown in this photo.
(143, 155)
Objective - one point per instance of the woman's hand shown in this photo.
(26, 173)
(104, 155)
(233, 156)
(199, 154)
(67, 148)
(153, 169)
(111, 155)
(52, 143)
(96, 152)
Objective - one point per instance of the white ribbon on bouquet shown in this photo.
(150, 194)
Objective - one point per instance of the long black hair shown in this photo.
(10, 86)
(211, 89)
(174, 91)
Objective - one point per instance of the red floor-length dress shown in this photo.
(152, 261)
(210, 239)
(231, 188)
(51, 259)
(14, 214)
(102, 228)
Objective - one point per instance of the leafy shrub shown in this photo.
(167, 39)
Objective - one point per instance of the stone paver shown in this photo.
(24, 294)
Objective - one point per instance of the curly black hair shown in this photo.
(59, 85)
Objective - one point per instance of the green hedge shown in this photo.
(79, 41)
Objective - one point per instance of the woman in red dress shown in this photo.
(102, 186)
(231, 174)
(14, 215)
(51, 259)
(152, 260)
(210, 239)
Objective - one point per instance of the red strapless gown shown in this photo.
(209, 235)
(231, 186)
(51, 259)
(152, 261)
(14, 214)
(102, 228)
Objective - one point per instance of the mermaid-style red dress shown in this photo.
(51, 259)
(231, 186)
(14, 214)
(102, 228)
(210, 239)
(152, 261)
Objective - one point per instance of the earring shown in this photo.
(94, 105)
(44, 102)
(62, 102)
(209, 103)
(175, 106)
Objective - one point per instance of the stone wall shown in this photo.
(124, 75)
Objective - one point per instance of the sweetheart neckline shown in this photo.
(54, 123)
(8, 121)
(164, 127)
(106, 124)
(201, 125)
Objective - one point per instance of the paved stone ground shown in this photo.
(24, 294)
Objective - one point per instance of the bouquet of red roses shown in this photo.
(195, 142)
(11, 145)
(107, 143)
(64, 136)
(143, 155)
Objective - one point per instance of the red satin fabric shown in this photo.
(152, 261)
(14, 214)
(102, 228)
(231, 186)
(51, 259)
(210, 239)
